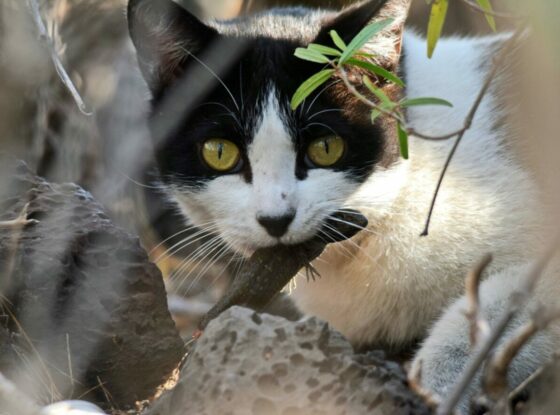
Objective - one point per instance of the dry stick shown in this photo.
(477, 323)
(495, 380)
(61, 71)
(517, 300)
(496, 66)
(15, 402)
(19, 222)
(523, 385)
(415, 384)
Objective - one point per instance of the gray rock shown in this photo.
(249, 363)
(90, 309)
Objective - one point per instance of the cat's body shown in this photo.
(388, 285)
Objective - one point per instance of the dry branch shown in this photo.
(415, 384)
(479, 327)
(60, 70)
(517, 300)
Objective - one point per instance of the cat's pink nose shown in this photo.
(277, 226)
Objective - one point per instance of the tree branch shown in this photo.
(60, 70)
(517, 300)
(479, 327)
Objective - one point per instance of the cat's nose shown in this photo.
(276, 225)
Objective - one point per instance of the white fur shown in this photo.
(398, 283)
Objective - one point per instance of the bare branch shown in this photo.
(517, 301)
(479, 327)
(61, 71)
(415, 384)
(495, 379)
(19, 222)
(496, 66)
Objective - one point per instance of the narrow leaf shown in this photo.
(385, 100)
(403, 141)
(311, 55)
(325, 50)
(375, 115)
(341, 44)
(377, 70)
(487, 6)
(365, 35)
(435, 26)
(309, 86)
(414, 102)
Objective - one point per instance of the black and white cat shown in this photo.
(240, 162)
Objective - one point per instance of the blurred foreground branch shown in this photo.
(61, 71)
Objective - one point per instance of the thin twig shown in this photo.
(415, 384)
(479, 327)
(33, 7)
(499, 14)
(523, 385)
(495, 380)
(516, 302)
(496, 66)
(20, 222)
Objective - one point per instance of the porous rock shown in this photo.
(81, 292)
(258, 364)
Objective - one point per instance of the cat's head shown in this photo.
(230, 149)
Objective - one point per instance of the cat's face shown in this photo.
(232, 152)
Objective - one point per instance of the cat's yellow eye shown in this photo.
(221, 155)
(326, 151)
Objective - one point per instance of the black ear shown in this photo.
(164, 35)
(349, 22)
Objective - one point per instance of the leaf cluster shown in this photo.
(343, 56)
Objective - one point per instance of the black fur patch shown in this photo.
(207, 94)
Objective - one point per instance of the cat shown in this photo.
(239, 161)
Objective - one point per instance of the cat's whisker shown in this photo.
(320, 124)
(324, 112)
(186, 242)
(229, 112)
(321, 92)
(346, 253)
(215, 75)
(350, 241)
(187, 229)
(197, 254)
(216, 257)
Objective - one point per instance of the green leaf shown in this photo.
(487, 6)
(375, 114)
(309, 86)
(435, 26)
(414, 102)
(378, 70)
(341, 44)
(325, 50)
(403, 141)
(311, 55)
(385, 100)
(363, 37)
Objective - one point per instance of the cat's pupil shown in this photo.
(326, 143)
(220, 150)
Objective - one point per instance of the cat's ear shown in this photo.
(387, 45)
(165, 34)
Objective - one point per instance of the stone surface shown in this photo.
(258, 364)
(90, 309)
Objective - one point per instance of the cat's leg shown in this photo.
(446, 351)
